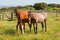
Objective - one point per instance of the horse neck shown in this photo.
(43, 13)
(17, 12)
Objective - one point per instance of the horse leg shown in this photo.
(45, 25)
(42, 25)
(34, 27)
(24, 27)
(21, 27)
(17, 26)
(30, 27)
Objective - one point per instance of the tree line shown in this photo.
(36, 6)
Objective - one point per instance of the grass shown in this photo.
(7, 31)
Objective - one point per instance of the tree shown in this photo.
(58, 5)
(39, 6)
(52, 5)
(19, 7)
(30, 7)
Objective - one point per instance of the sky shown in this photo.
(25, 2)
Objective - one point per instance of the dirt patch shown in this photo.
(58, 33)
(1, 26)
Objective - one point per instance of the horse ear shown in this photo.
(15, 9)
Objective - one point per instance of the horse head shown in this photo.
(15, 10)
(29, 17)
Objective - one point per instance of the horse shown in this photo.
(35, 18)
(22, 17)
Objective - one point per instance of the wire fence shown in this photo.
(11, 15)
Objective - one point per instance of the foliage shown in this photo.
(39, 6)
(49, 8)
(36, 6)
(54, 5)
(19, 7)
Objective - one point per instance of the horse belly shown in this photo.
(25, 20)
(40, 19)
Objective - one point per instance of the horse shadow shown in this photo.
(10, 31)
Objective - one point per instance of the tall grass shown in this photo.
(7, 30)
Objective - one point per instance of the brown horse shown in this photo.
(36, 18)
(22, 17)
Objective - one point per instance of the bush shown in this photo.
(39, 6)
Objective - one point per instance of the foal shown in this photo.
(36, 18)
(22, 17)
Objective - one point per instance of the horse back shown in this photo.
(39, 16)
(23, 14)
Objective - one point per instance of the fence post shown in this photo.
(11, 15)
(2, 16)
(56, 14)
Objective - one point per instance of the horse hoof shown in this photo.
(35, 32)
(22, 32)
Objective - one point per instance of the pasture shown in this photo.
(8, 28)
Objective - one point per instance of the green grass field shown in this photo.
(7, 31)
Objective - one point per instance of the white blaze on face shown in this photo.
(22, 28)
